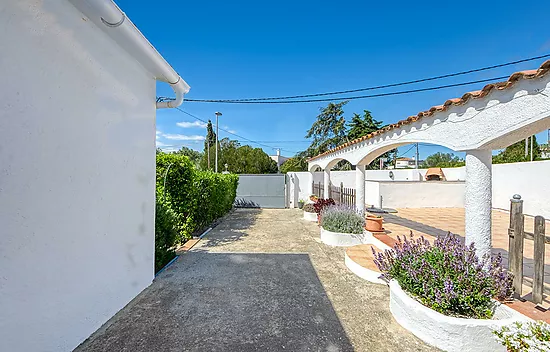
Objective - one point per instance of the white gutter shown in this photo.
(108, 16)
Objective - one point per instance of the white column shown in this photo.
(360, 188)
(326, 181)
(478, 200)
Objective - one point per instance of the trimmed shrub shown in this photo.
(196, 197)
(447, 276)
(341, 218)
(309, 208)
(525, 336)
(165, 234)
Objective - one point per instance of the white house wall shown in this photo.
(77, 176)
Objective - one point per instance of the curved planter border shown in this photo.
(449, 333)
(340, 239)
(362, 272)
(310, 216)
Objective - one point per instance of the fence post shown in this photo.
(511, 259)
(517, 254)
(538, 275)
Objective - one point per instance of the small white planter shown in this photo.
(449, 333)
(362, 272)
(310, 216)
(340, 239)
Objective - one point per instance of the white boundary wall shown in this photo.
(530, 179)
(77, 176)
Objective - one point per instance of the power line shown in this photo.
(236, 135)
(350, 98)
(385, 85)
(408, 150)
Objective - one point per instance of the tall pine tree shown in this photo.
(209, 155)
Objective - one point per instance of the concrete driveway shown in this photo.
(260, 281)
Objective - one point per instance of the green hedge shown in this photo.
(196, 197)
(165, 234)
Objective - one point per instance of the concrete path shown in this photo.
(260, 281)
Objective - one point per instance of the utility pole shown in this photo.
(416, 158)
(526, 146)
(218, 114)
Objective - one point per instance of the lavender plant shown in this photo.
(446, 276)
(525, 336)
(341, 218)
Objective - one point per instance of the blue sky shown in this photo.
(242, 49)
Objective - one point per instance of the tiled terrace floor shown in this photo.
(434, 222)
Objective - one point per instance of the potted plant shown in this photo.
(320, 204)
(525, 336)
(341, 226)
(301, 203)
(445, 295)
(309, 212)
(373, 223)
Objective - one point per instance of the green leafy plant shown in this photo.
(196, 197)
(339, 218)
(447, 276)
(525, 336)
(309, 208)
(165, 234)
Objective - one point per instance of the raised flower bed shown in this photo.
(341, 226)
(445, 295)
(309, 212)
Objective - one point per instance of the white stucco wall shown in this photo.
(531, 180)
(77, 172)
(433, 194)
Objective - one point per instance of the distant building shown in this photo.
(279, 159)
(407, 163)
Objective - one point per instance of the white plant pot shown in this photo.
(310, 216)
(449, 333)
(340, 239)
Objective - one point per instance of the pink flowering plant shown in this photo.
(447, 276)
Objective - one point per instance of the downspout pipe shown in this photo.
(108, 16)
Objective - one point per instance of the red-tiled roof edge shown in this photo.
(529, 74)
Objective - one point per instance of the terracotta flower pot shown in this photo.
(374, 224)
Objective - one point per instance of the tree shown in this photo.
(329, 130)
(294, 164)
(516, 152)
(209, 155)
(193, 155)
(443, 160)
(361, 126)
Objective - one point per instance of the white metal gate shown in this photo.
(261, 191)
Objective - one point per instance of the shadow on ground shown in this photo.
(234, 230)
(228, 302)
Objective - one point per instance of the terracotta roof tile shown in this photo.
(529, 74)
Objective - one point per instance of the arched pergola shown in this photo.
(492, 118)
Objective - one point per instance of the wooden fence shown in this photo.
(517, 236)
(318, 190)
(341, 194)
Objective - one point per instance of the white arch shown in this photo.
(493, 118)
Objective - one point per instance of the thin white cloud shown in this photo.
(182, 137)
(160, 144)
(187, 124)
(158, 134)
(231, 131)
